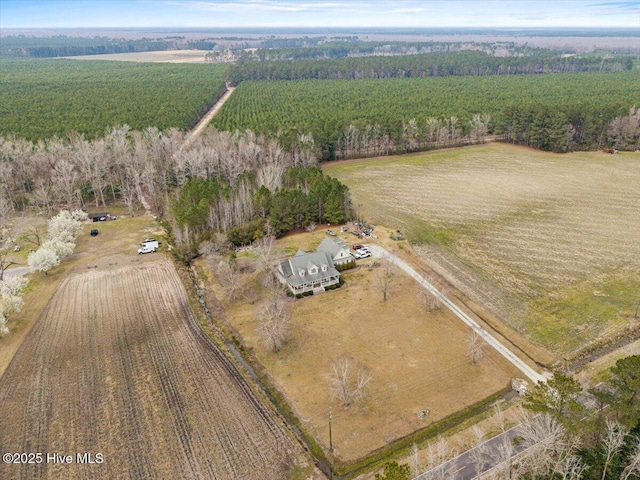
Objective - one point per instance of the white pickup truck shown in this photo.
(146, 249)
(150, 245)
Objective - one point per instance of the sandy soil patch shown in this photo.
(165, 56)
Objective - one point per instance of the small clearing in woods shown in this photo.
(547, 242)
(165, 56)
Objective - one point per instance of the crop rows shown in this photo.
(117, 365)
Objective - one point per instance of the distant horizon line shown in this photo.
(333, 28)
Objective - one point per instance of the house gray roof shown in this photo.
(334, 247)
(307, 263)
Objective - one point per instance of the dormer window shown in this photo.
(301, 272)
(324, 267)
(313, 270)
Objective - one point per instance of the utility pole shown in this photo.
(330, 439)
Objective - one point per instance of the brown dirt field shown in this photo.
(116, 364)
(167, 56)
(418, 359)
(116, 245)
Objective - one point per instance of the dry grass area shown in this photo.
(165, 56)
(548, 242)
(418, 359)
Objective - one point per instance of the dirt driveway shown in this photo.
(535, 377)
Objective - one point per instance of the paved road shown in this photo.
(530, 373)
(468, 465)
(16, 272)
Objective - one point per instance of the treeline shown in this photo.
(572, 441)
(40, 99)
(66, 46)
(228, 183)
(245, 209)
(434, 133)
(462, 63)
(560, 112)
(567, 128)
(317, 48)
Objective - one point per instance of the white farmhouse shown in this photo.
(338, 250)
(308, 272)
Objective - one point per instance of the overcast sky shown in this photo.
(321, 13)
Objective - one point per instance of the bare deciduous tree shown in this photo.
(633, 468)
(432, 302)
(311, 227)
(6, 208)
(348, 381)
(475, 347)
(267, 253)
(4, 262)
(479, 127)
(438, 453)
(507, 465)
(42, 194)
(274, 316)
(65, 179)
(499, 417)
(35, 235)
(230, 278)
(416, 465)
(548, 447)
(385, 277)
(612, 442)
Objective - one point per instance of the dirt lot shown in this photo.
(418, 359)
(546, 241)
(117, 365)
(169, 56)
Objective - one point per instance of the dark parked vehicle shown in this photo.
(94, 232)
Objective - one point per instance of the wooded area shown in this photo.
(438, 64)
(446, 111)
(43, 98)
(66, 46)
(229, 183)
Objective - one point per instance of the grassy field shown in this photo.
(418, 358)
(548, 242)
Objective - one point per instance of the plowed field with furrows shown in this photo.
(117, 365)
